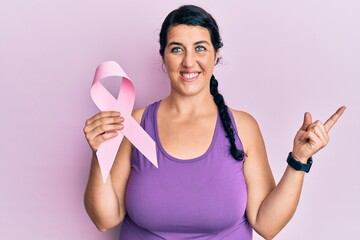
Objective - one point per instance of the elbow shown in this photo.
(103, 219)
(269, 237)
(268, 234)
(269, 228)
(104, 226)
(102, 229)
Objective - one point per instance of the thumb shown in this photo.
(307, 121)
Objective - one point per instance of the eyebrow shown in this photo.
(196, 43)
(202, 42)
(174, 43)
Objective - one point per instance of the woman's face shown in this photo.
(189, 59)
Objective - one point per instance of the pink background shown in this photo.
(280, 59)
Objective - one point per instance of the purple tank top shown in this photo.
(201, 198)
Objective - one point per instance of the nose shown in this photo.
(189, 59)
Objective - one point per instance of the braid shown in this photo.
(225, 119)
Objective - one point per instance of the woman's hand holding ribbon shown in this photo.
(101, 127)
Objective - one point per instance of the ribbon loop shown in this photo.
(105, 101)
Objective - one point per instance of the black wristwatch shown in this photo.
(299, 166)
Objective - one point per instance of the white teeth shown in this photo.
(190, 75)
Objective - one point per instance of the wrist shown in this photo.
(297, 165)
(298, 158)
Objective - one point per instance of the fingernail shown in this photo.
(119, 119)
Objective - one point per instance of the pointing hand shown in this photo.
(312, 136)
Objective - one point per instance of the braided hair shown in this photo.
(196, 16)
(225, 118)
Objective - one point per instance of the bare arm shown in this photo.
(271, 207)
(105, 202)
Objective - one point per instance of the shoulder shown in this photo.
(138, 113)
(248, 129)
(244, 120)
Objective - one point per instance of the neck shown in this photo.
(189, 105)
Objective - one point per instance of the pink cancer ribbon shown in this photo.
(105, 101)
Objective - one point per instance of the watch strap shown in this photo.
(297, 165)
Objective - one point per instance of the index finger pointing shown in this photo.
(333, 119)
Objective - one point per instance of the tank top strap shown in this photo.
(149, 118)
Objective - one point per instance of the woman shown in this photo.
(210, 184)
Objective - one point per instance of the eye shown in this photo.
(200, 48)
(176, 50)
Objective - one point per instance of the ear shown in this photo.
(163, 65)
(217, 56)
(162, 57)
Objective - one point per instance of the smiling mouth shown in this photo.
(189, 76)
